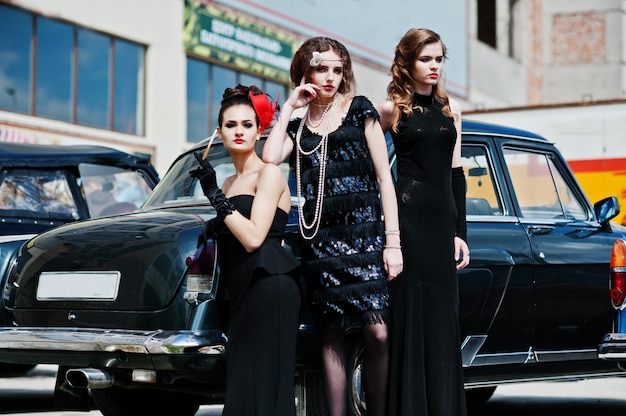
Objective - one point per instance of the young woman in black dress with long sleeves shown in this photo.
(426, 375)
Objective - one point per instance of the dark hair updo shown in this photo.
(240, 95)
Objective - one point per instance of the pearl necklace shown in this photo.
(321, 120)
(320, 105)
(321, 180)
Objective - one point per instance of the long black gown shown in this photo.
(343, 262)
(426, 376)
(263, 321)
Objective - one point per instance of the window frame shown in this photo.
(214, 91)
(552, 161)
(138, 114)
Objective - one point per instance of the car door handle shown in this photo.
(539, 229)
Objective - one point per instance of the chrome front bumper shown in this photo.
(613, 347)
(34, 345)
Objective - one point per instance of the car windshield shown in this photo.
(111, 189)
(56, 194)
(178, 187)
(36, 193)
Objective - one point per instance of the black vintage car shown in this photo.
(44, 186)
(128, 307)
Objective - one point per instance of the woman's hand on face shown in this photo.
(303, 94)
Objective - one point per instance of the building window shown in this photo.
(92, 92)
(128, 91)
(54, 69)
(16, 32)
(486, 21)
(206, 83)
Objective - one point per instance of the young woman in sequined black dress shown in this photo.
(339, 156)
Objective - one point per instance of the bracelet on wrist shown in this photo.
(392, 232)
(392, 247)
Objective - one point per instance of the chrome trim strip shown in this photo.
(110, 341)
(547, 378)
(500, 358)
(533, 356)
(503, 135)
(566, 355)
(612, 355)
(470, 347)
(18, 237)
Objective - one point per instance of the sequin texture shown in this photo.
(343, 263)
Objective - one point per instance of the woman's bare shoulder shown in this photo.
(271, 172)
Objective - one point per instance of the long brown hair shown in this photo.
(301, 66)
(400, 89)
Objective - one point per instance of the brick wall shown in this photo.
(578, 38)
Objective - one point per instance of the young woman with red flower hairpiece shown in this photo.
(339, 156)
(252, 209)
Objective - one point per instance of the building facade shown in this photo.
(539, 52)
(147, 76)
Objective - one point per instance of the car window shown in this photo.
(35, 193)
(178, 186)
(540, 188)
(482, 197)
(112, 190)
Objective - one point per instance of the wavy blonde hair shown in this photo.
(400, 89)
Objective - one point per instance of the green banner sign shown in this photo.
(213, 33)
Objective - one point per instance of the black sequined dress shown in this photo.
(426, 376)
(263, 320)
(343, 262)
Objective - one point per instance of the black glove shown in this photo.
(205, 174)
(208, 180)
(458, 191)
(208, 232)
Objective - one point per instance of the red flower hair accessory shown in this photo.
(264, 108)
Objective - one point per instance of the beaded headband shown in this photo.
(264, 108)
(316, 59)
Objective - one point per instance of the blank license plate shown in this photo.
(78, 285)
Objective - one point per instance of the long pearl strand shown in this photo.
(323, 147)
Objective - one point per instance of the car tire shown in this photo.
(356, 395)
(116, 401)
(478, 396)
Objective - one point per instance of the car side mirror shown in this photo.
(606, 209)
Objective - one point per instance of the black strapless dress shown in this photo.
(263, 324)
(426, 376)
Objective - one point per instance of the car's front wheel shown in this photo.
(117, 401)
(356, 394)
